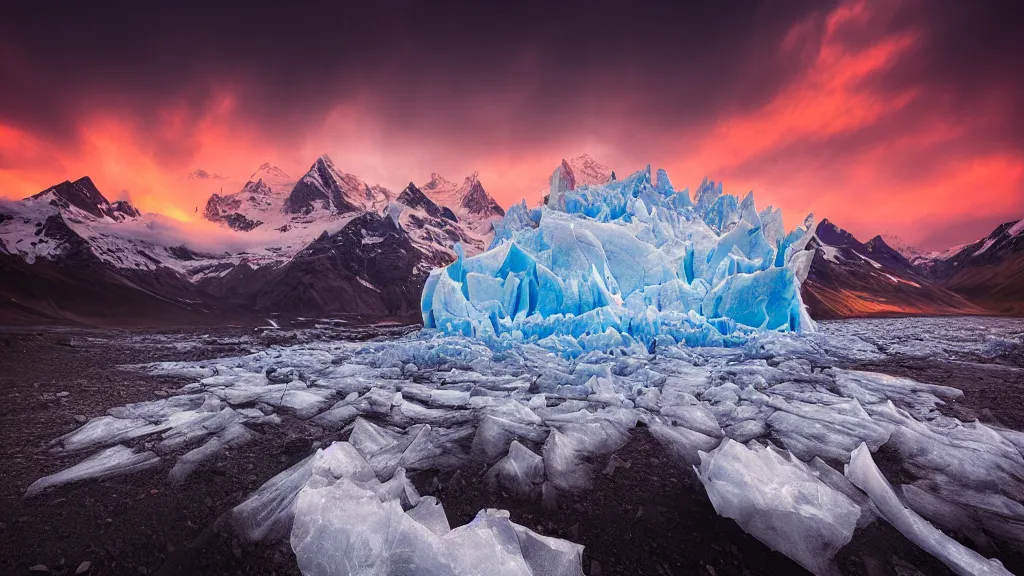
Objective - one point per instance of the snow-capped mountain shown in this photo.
(432, 226)
(989, 271)
(908, 251)
(260, 201)
(83, 195)
(473, 206)
(579, 171)
(372, 266)
(200, 174)
(71, 234)
(851, 278)
(292, 213)
(586, 170)
(328, 242)
(67, 254)
(327, 189)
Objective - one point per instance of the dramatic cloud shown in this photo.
(883, 116)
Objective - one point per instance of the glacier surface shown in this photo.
(632, 263)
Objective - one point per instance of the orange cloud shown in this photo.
(839, 139)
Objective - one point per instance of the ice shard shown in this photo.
(863, 472)
(114, 461)
(779, 501)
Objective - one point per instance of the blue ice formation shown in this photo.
(631, 263)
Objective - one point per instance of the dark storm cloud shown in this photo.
(969, 59)
(887, 112)
(462, 67)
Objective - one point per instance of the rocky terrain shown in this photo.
(850, 278)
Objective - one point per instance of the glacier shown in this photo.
(631, 264)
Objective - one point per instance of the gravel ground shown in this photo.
(650, 518)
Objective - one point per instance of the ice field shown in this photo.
(611, 308)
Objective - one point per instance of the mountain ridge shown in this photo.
(69, 240)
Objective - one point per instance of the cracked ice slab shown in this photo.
(962, 560)
(347, 522)
(114, 461)
(780, 502)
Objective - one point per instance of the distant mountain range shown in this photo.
(851, 278)
(323, 244)
(328, 243)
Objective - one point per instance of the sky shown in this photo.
(901, 117)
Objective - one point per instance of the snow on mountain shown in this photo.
(898, 244)
(588, 171)
(70, 237)
(989, 271)
(83, 195)
(579, 171)
(259, 202)
(475, 209)
(324, 188)
(468, 200)
(433, 228)
(200, 174)
(1017, 229)
(850, 278)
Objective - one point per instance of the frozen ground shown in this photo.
(386, 435)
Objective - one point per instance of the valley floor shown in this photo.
(652, 517)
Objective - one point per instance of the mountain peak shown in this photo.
(324, 186)
(829, 233)
(467, 200)
(268, 169)
(587, 171)
(439, 183)
(414, 198)
(85, 196)
(896, 243)
(201, 174)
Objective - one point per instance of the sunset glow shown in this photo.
(856, 124)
